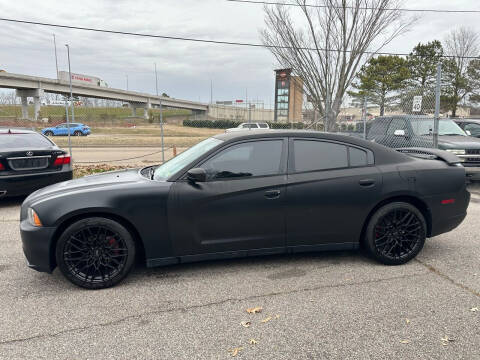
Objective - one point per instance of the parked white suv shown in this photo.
(250, 126)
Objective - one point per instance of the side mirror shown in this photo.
(197, 175)
(399, 133)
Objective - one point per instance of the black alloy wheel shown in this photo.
(95, 253)
(396, 233)
(77, 133)
(48, 133)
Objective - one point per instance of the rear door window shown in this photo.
(313, 155)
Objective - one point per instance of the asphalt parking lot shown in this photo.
(337, 305)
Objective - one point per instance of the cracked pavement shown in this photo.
(337, 305)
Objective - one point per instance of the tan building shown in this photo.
(288, 96)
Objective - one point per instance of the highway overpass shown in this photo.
(32, 86)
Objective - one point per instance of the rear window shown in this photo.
(263, 126)
(19, 141)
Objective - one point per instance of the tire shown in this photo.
(95, 253)
(396, 233)
(77, 133)
(48, 133)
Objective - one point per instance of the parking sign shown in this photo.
(417, 104)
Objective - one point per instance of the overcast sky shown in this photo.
(185, 69)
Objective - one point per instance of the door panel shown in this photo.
(328, 207)
(227, 215)
(239, 207)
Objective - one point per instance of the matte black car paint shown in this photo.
(179, 221)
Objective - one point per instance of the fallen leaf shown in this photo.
(246, 324)
(267, 319)
(235, 351)
(474, 309)
(446, 340)
(407, 321)
(404, 341)
(253, 342)
(255, 310)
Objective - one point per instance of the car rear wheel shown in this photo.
(396, 233)
(95, 253)
(48, 133)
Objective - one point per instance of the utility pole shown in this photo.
(364, 117)
(437, 105)
(211, 91)
(71, 101)
(161, 114)
(56, 60)
(127, 81)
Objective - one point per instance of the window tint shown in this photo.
(473, 128)
(255, 158)
(319, 155)
(357, 157)
(396, 124)
(20, 141)
(263, 126)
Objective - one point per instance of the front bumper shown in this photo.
(37, 246)
(18, 185)
(472, 170)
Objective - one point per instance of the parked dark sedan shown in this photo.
(30, 161)
(245, 194)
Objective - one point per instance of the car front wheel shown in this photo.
(396, 233)
(95, 253)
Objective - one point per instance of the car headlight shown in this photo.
(457, 151)
(33, 218)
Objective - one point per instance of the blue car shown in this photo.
(76, 129)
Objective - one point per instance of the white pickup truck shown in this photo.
(250, 126)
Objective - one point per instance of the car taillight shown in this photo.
(62, 160)
(2, 167)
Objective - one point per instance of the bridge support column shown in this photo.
(134, 111)
(24, 94)
(24, 107)
(147, 107)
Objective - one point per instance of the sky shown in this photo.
(186, 70)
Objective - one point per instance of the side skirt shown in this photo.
(248, 253)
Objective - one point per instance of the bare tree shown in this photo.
(337, 37)
(459, 74)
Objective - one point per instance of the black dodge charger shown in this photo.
(30, 161)
(246, 194)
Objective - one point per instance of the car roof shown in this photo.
(383, 153)
(16, 131)
(467, 120)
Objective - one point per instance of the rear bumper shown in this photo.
(37, 246)
(18, 185)
(446, 217)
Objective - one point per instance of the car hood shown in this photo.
(87, 183)
(458, 142)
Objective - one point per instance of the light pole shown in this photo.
(161, 113)
(55, 46)
(71, 101)
(127, 81)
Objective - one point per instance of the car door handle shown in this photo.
(367, 182)
(272, 194)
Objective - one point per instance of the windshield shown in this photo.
(174, 165)
(445, 127)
